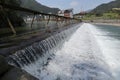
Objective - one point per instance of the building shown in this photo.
(66, 13)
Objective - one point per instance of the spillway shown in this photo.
(83, 52)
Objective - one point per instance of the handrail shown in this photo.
(19, 8)
(30, 11)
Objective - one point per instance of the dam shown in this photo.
(38, 42)
(83, 52)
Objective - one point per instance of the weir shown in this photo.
(27, 41)
(73, 54)
(40, 49)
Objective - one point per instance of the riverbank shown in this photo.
(113, 24)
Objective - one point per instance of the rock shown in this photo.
(4, 67)
(17, 74)
(8, 72)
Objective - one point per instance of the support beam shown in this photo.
(66, 22)
(57, 21)
(48, 28)
(8, 20)
(48, 20)
(11, 26)
(32, 22)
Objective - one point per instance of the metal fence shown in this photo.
(36, 20)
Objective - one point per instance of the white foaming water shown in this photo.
(110, 48)
(80, 58)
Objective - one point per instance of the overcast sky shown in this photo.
(77, 5)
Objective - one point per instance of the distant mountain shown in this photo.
(87, 11)
(34, 5)
(106, 7)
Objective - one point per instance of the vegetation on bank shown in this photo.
(107, 15)
(107, 7)
(105, 11)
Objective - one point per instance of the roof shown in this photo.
(65, 11)
(68, 11)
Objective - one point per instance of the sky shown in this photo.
(77, 5)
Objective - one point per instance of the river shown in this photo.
(90, 53)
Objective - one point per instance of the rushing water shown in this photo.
(84, 52)
(108, 38)
(41, 50)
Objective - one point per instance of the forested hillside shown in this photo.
(33, 4)
(106, 7)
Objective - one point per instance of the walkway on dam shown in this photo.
(9, 45)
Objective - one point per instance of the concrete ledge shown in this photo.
(8, 72)
(17, 74)
(4, 67)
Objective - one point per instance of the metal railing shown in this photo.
(42, 16)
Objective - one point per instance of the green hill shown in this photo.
(106, 7)
(34, 5)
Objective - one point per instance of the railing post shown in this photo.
(47, 27)
(66, 21)
(48, 20)
(32, 21)
(57, 21)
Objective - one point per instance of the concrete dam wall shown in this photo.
(38, 47)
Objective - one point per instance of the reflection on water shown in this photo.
(110, 31)
(37, 25)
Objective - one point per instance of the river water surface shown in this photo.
(91, 53)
